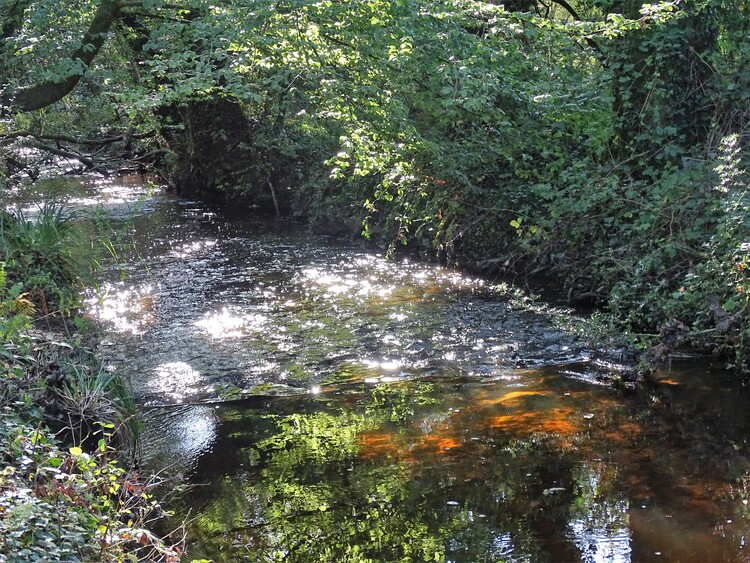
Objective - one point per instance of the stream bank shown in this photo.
(322, 402)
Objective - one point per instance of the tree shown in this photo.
(55, 88)
(565, 136)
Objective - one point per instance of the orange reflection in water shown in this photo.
(379, 446)
(555, 421)
(384, 446)
(517, 397)
(440, 443)
(624, 432)
(668, 381)
(511, 399)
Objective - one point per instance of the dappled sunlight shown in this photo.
(171, 379)
(224, 324)
(126, 309)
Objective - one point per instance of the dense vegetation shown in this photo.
(604, 142)
(69, 490)
(601, 141)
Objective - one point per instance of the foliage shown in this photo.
(70, 505)
(44, 257)
(58, 504)
(587, 141)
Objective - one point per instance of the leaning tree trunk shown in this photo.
(48, 92)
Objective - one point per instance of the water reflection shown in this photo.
(184, 435)
(600, 529)
(390, 411)
(511, 470)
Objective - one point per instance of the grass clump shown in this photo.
(46, 255)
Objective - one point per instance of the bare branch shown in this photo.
(6, 139)
(86, 161)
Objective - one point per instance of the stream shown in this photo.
(323, 403)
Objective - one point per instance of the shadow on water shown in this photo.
(325, 404)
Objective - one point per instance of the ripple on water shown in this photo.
(422, 411)
(278, 307)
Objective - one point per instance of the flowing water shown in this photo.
(325, 404)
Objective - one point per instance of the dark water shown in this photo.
(325, 404)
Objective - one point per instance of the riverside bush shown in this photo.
(74, 501)
(68, 505)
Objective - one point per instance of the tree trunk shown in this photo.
(47, 93)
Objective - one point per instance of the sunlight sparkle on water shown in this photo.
(381, 379)
(192, 248)
(127, 309)
(388, 365)
(224, 324)
(335, 283)
(110, 194)
(172, 379)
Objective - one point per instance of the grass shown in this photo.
(46, 254)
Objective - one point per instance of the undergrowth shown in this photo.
(47, 255)
(69, 485)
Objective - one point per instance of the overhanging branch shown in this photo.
(48, 92)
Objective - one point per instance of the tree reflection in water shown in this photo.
(401, 474)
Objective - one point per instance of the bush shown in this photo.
(67, 502)
(60, 505)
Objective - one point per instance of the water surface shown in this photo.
(326, 404)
